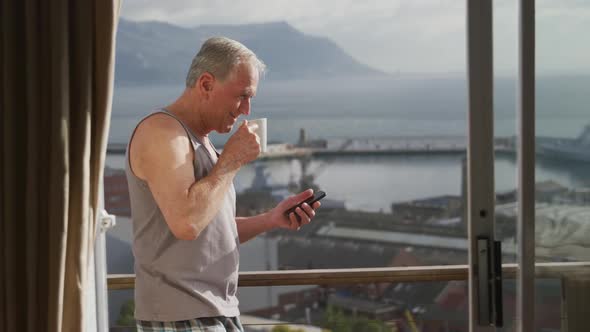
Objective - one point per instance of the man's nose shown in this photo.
(245, 107)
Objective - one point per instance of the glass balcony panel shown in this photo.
(562, 223)
(121, 311)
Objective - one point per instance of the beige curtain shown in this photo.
(56, 61)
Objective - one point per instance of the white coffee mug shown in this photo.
(260, 131)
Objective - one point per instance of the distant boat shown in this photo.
(566, 148)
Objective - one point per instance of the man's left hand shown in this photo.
(305, 213)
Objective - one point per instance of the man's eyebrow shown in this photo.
(249, 91)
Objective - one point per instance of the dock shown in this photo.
(366, 146)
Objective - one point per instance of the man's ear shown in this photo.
(205, 84)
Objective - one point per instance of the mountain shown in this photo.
(156, 52)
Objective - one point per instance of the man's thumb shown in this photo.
(303, 195)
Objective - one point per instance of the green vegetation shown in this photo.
(285, 328)
(336, 321)
(126, 313)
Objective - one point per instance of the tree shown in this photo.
(126, 314)
(336, 321)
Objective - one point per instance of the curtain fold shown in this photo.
(56, 67)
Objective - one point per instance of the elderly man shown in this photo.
(186, 234)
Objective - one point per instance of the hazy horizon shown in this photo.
(415, 30)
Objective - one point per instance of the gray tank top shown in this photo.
(177, 279)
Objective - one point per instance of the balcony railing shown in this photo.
(372, 275)
(572, 317)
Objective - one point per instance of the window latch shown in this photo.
(106, 220)
(489, 274)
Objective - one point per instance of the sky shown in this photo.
(405, 36)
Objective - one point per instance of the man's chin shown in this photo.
(226, 129)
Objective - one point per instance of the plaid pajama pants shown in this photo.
(206, 324)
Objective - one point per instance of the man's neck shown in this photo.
(186, 110)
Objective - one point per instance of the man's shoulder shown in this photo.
(157, 129)
(158, 140)
(160, 122)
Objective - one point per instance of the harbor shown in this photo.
(575, 149)
(404, 145)
(400, 203)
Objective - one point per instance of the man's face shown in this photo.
(231, 98)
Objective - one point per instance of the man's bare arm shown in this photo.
(161, 154)
(250, 227)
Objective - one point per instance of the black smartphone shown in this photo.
(316, 197)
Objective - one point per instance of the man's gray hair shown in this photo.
(219, 56)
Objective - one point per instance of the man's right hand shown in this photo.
(242, 147)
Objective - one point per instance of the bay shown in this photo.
(394, 106)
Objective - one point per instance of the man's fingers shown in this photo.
(294, 223)
(310, 212)
(305, 219)
(253, 126)
(305, 212)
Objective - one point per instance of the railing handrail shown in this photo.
(370, 275)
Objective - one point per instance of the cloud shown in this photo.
(397, 35)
